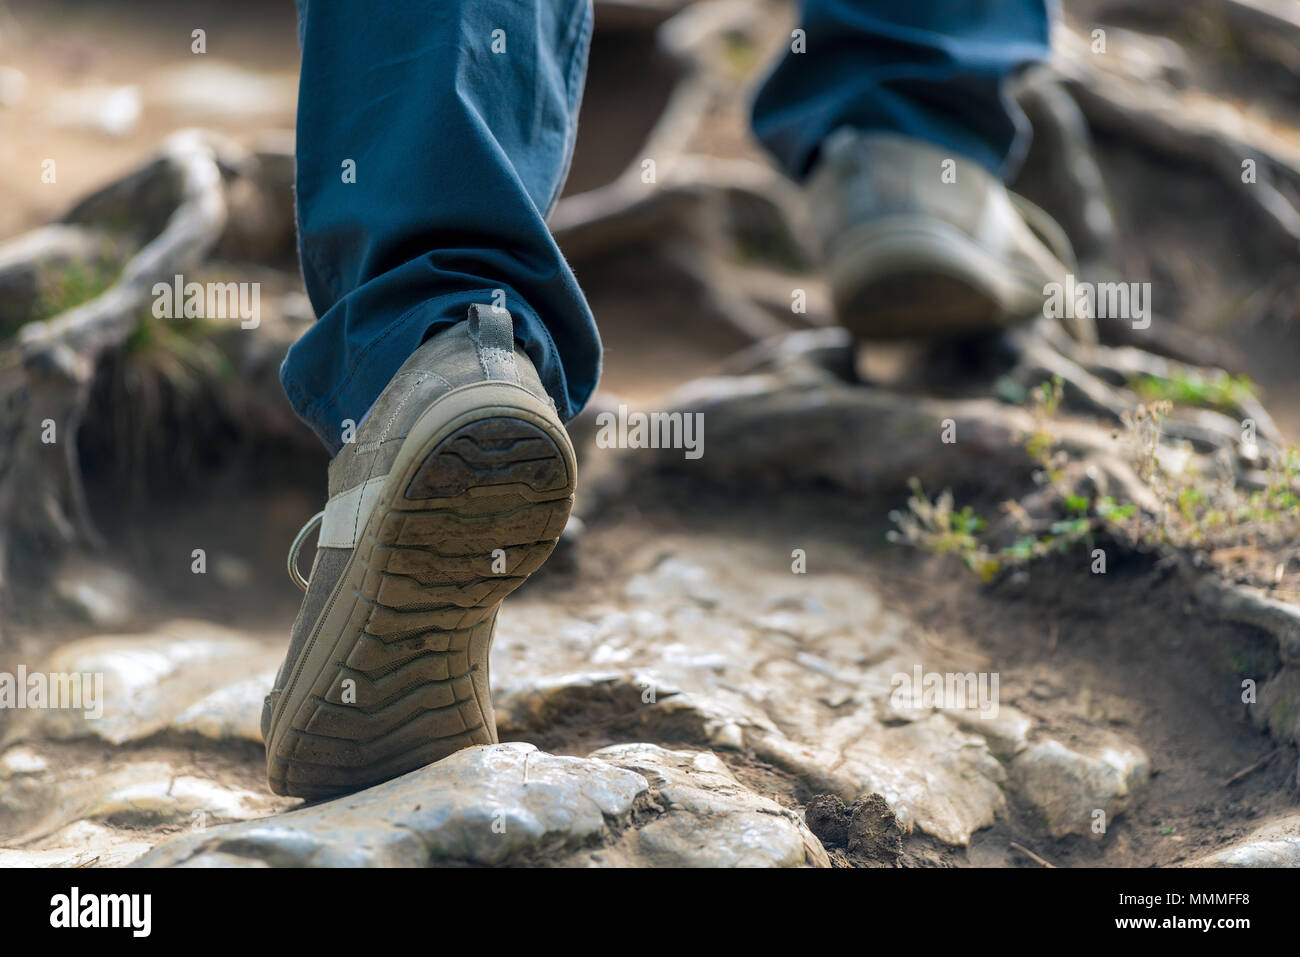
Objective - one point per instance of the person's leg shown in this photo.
(455, 337)
(929, 69)
(896, 116)
(433, 140)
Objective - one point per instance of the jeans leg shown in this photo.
(458, 119)
(933, 69)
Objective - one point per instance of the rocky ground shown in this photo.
(673, 693)
(706, 672)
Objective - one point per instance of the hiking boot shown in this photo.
(909, 255)
(455, 490)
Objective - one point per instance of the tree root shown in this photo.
(1141, 111)
(1087, 372)
(1251, 606)
(41, 494)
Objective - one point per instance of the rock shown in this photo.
(933, 776)
(80, 844)
(156, 794)
(510, 804)
(260, 227)
(1274, 845)
(494, 804)
(101, 594)
(722, 647)
(150, 681)
(232, 711)
(135, 795)
(787, 430)
(1068, 787)
(21, 761)
(710, 819)
(114, 110)
(1005, 734)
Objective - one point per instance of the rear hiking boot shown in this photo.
(457, 485)
(909, 255)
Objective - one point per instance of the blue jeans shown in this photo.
(434, 138)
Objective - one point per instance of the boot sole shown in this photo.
(905, 278)
(395, 675)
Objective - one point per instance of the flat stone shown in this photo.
(511, 804)
(935, 777)
(180, 672)
(1006, 732)
(710, 819)
(1276, 844)
(168, 798)
(673, 577)
(135, 795)
(1068, 787)
(80, 844)
(495, 804)
(21, 760)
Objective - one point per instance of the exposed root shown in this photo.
(44, 504)
(1251, 606)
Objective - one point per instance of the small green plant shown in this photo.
(67, 287)
(1223, 392)
(938, 527)
(1040, 446)
(1192, 509)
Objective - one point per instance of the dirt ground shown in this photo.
(1074, 650)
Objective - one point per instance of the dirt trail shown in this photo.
(1074, 651)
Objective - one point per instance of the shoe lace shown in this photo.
(294, 575)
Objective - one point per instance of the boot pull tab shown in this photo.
(493, 333)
